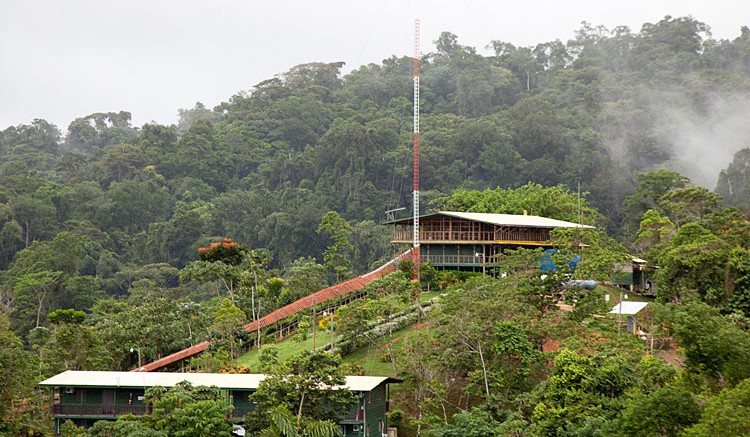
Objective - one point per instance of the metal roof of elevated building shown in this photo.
(79, 378)
(531, 221)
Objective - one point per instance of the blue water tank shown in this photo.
(587, 284)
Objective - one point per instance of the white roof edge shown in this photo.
(628, 308)
(515, 219)
(94, 378)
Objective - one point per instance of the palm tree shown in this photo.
(285, 424)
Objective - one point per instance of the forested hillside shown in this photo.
(101, 221)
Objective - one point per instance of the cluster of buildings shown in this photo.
(448, 240)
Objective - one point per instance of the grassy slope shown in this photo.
(287, 348)
(373, 358)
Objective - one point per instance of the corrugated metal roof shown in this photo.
(75, 378)
(629, 308)
(175, 357)
(368, 383)
(531, 221)
(282, 313)
(78, 378)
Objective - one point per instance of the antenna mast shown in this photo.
(415, 248)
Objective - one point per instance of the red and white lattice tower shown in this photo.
(415, 248)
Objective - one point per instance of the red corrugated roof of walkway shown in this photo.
(173, 358)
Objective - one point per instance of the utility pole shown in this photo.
(138, 349)
(332, 332)
(619, 313)
(313, 322)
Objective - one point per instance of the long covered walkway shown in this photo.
(333, 292)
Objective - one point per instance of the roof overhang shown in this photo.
(628, 308)
(99, 379)
(529, 221)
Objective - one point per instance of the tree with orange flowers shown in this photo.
(220, 260)
(225, 251)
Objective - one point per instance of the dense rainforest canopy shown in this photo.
(101, 224)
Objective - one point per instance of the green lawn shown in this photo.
(287, 348)
(614, 294)
(373, 358)
(424, 297)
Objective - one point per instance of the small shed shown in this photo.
(630, 310)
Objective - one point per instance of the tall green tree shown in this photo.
(693, 264)
(185, 410)
(727, 414)
(36, 285)
(715, 347)
(72, 344)
(308, 386)
(738, 280)
(221, 260)
(337, 256)
(486, 331)
(137, 202)
(735, 179)
(651, 188)
(36, 217)
(666, 411)
(227, 318)
(305, 276)
(19, 374)
(690, 203)
(654, 231)
(580, 395)
(598, 252)
(125, 426)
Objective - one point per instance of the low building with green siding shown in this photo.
(85, 397)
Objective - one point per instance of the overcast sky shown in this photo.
(66, 59)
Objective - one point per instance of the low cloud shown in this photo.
(703, 142)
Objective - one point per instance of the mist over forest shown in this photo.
(106, 219)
